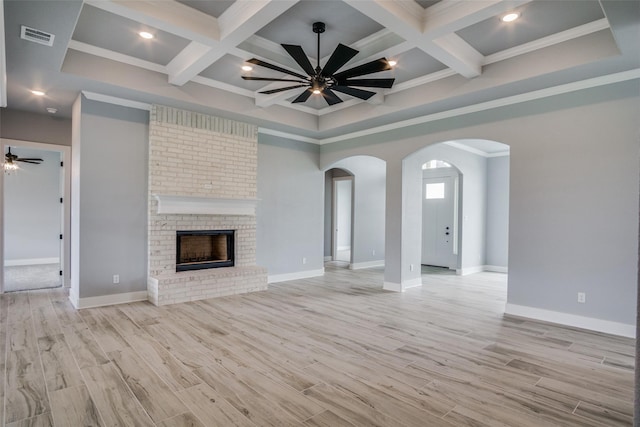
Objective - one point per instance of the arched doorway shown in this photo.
(472, 176)
(363, 178)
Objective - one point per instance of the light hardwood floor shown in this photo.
(330, 351)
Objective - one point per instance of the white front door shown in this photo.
(437, 221)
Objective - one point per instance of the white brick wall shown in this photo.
(192, 154)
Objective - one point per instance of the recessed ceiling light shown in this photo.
(510, 17)
(52, 110)
(392, 63)
(37, 92)
(316, 91)
(145, 35)
(247, 68)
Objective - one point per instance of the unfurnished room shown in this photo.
(319, 212)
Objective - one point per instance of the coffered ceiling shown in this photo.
(451, 54)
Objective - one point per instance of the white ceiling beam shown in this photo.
(454, 52)
(409, 25)
(449, 16)
(168, 16)
(236, 24)
(116, 56)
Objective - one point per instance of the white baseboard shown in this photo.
(469, 270)
(328, 258)
(401, 287)
(112, 299)
(31, 261)
(480, 268)
(496, 269)
(366, 264)
(582, 322)
(275, 278)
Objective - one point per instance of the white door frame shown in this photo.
(456, 177)
(65, 254)
(334, 217)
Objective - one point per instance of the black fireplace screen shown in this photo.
(196, 250)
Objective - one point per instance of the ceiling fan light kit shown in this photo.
(325, 80)
(10, 164)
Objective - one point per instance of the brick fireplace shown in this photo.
(202, 177)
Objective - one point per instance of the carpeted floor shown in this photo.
(28, 277)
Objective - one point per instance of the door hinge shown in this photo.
(61, 272)
(61, 164)
(60, 199)
(61, 237)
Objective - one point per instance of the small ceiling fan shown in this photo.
(10, 158)
(323, 81)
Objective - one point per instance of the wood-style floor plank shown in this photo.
(74, 407)
(182, 420)
(212, 409)
(152, 393)
(116, 404)
(331, 351)
(43, 420)
(60, 369)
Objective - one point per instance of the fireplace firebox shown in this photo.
(197, 250)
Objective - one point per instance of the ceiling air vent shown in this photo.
(36, 36)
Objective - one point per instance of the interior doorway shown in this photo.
(342, 218)
(34, 216)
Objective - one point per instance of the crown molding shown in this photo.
(496, 103)
(551, 40)
(93, 96)
(267, 131)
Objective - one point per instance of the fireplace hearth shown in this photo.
(202, 249)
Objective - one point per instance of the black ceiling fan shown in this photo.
(11, 158)
(323, 80)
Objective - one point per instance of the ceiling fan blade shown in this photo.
(256, 61)
(330, 97)
(21, 159)
(370, 67)
(338, 58)
(28, 161)
(300, 57)
(267, 79)
(358, 93)
(303, 96)
(282, 89)
(383, 83)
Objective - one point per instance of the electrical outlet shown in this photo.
(582, 297)
(373, 252)
(410, 267)
(304, 260)
(116, 278)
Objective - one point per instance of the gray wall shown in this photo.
(32, 208)
(27, 126)
(291, 208)
(110, 189)
(498, 211)
(368, 207)
(573, 195)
